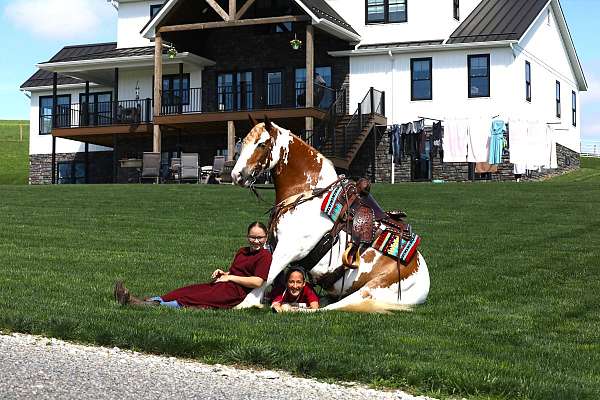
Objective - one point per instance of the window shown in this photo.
(71, 172)
(274, 88)
(420, 72)
(385, 11)
(235, 91)
(99, 109)
(456, 9)
(479, 75)
(573, 108)
(322, 96)
(63, 115)
(154, 9)
(558, 113)
(170, 87)
(528, 81)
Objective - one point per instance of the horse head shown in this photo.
(262, 149)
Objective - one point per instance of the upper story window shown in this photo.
(170, 86)
(479, 75)
(456, 9)
(527, 81)
(574, 108)
(420, 71)
(385, 11)
(154, 9)
(558, 108)
(63, 112)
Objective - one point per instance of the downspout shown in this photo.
(391, 99)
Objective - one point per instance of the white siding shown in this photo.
(426, 20)
(133, 16)
(449, 86)
(544, 48)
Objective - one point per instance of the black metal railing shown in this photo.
(79, 115)
(244, 97)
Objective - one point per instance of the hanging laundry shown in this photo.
(455, 141)
(396, 143)
(497, 141)
(479, 138)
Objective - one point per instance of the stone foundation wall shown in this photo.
(374, 162)
(100, 166)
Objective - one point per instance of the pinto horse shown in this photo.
(378, 284)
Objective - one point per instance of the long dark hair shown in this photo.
(259, 224)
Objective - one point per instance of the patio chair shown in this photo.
(150, 166)
(226, 171)
(212, 174)
(189, 167)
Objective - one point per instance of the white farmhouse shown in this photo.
(398, 90)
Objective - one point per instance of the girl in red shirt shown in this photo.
(297, 294)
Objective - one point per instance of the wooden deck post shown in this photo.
(230, 140)
(157, 91)
(310, 74)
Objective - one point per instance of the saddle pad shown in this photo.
(331, 205)
(393, 245)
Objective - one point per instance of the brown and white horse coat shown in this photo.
(298, 168)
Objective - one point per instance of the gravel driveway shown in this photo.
(33, 367)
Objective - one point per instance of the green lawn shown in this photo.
(14, 160)
(513, 310)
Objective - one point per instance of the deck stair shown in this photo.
(342, 135)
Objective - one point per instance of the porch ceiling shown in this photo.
(103, 135)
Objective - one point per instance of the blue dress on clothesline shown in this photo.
(497, 141)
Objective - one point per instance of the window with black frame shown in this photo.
(479, 75)
(154, 9)
(573, 108)
(171, 95)
(385, 11)
(527, 81)
(63, 113)
(421, 79)
(274, 82)
(323, 93)
(70, 172)
(99, 109)
(558, 106)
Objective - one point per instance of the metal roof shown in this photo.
(401, 44)
(495, 20)
(323, 10)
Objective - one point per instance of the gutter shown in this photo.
(414, 49)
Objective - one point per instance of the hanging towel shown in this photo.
(455, 141)
(497, 141)
(479, 138)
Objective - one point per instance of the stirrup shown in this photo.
(350, 258)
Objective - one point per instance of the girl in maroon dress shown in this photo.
(249, 270)
(297, 295)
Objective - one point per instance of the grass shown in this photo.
(513, 310)
(14, 161)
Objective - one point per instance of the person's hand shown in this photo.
(218, 272)
(224, 277)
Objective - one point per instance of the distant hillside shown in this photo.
(14, 152)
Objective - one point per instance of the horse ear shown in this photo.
(252, 120)
(267, 123)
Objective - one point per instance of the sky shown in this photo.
(57, 23)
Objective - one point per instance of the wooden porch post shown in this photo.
(157, 91)
(310, 74)
(230, 140)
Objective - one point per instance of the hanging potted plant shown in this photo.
(295, 43)
(172, 52)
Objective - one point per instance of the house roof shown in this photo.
(495, 20)
(400, 44)
(317, 9)
(95, 51)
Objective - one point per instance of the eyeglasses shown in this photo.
(256, 237)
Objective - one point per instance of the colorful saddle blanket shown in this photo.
(397, 246)
(336, 198)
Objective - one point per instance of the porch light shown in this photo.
(295, 43)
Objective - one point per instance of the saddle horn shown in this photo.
(252, 120)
